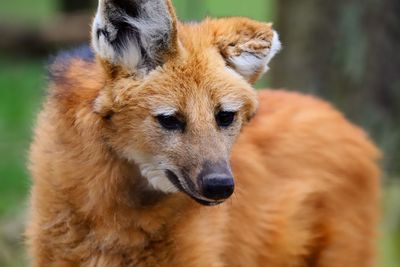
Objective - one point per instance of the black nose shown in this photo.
(218, 188)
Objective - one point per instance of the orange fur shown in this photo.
(306, 179)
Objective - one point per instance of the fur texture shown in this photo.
(135, 34)
(306, 180)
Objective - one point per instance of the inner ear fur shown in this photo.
(246, 45)
(134, 35)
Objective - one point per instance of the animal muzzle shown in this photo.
(217, 186)
(211, 187)
(216, 181)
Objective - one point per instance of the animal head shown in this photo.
(177, 95)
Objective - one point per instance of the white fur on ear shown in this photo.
(133, 33)
(247, 64)
(276, 46)
(250, 63)
(129, 56)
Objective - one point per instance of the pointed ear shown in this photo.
(247, 46)
(137, 35)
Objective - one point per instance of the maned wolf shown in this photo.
(144, 137)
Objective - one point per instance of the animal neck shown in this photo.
(123, 194)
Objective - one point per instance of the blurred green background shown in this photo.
(343, 51)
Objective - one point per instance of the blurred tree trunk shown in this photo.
(69, 6)
(346, 51)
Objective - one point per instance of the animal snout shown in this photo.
(218, 187)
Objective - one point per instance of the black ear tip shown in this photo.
(103, 32)
(130, 7)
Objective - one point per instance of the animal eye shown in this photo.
(170, 122)
(225, 118)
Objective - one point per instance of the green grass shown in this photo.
(40, 10)
(21, 87)
(389, 245)
(21, 84)
(262, 10)
(27, 11)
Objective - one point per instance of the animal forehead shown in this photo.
(203, 87)
(198, 102)
(180, 101)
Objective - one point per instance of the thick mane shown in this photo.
(74, 78)
(61, 62)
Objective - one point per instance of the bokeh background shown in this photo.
(345, 51)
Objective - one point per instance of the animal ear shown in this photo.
(247, 46)
(135, 34)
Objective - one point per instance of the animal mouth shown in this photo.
(188, 189)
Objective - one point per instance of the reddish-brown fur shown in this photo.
(306, 179)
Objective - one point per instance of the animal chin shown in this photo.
(194, 195)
